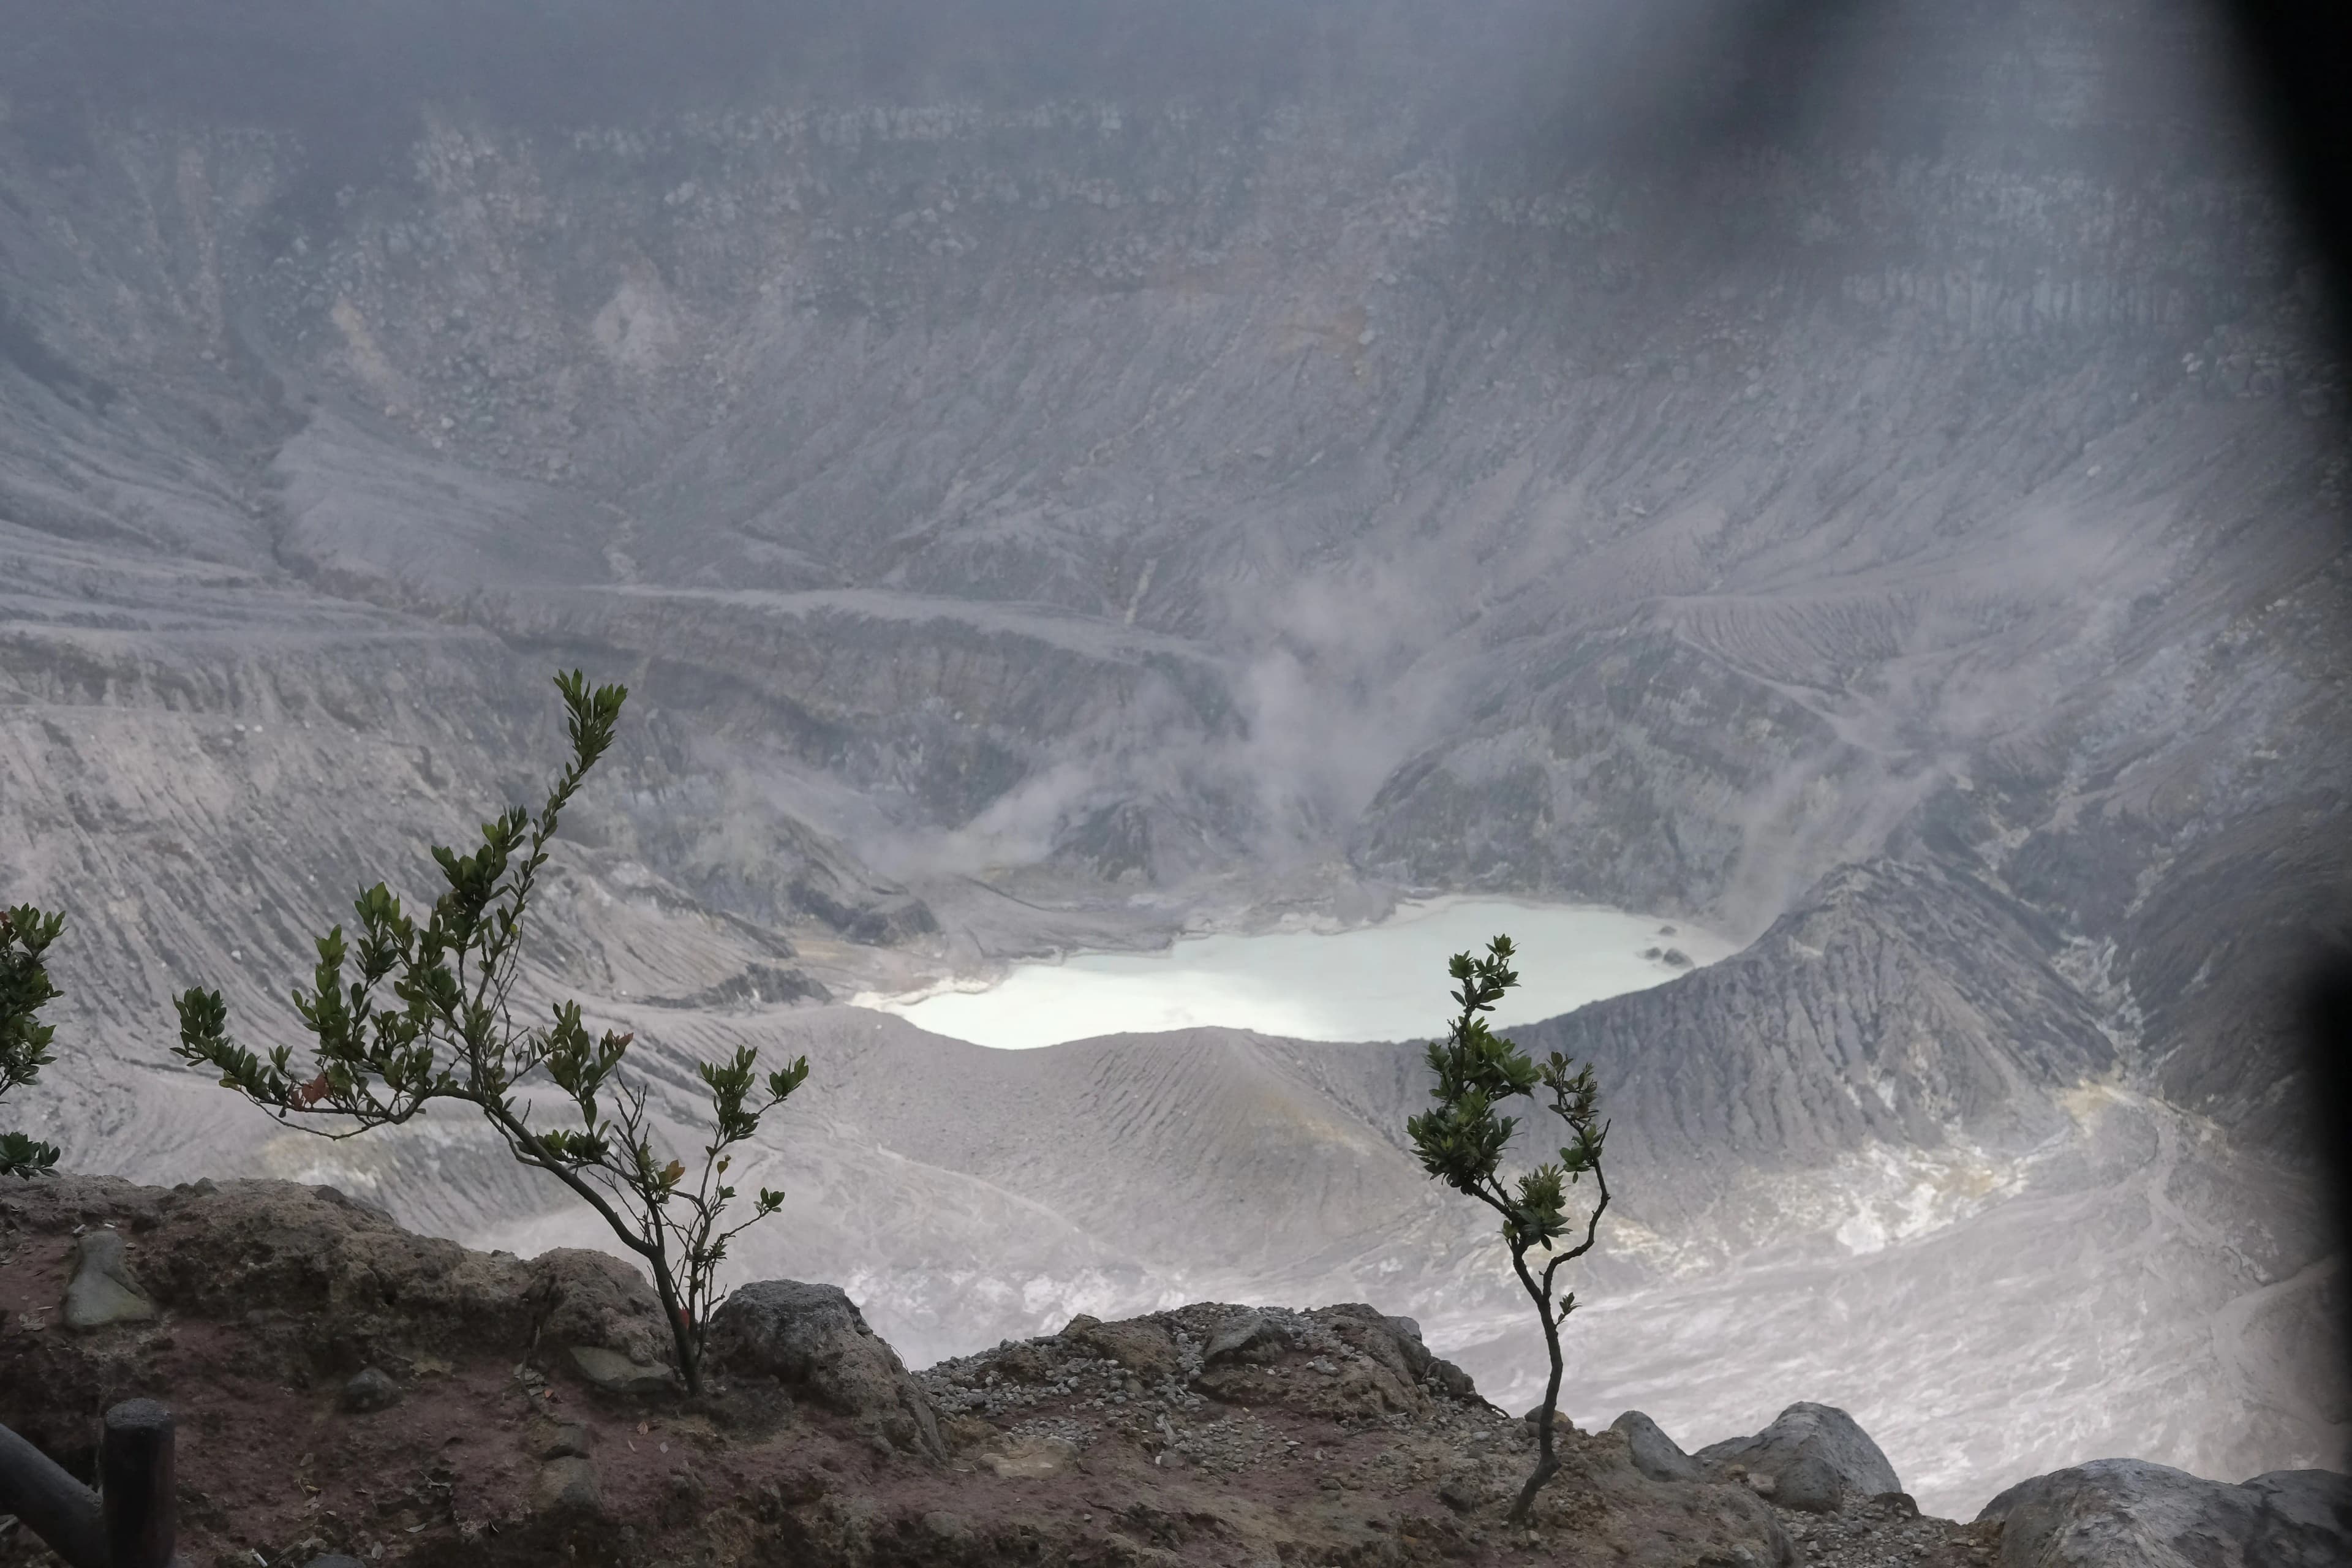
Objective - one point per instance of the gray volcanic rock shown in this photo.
(367, 1391)
(103, 1290)
(597, 1301)
(617, 1372)
(568, 1485)
(2128, 1513)
(1817, 1457)
(1655, 1454)
(1248, 1338)
(812, 1339)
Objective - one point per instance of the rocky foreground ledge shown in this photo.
(344, 1386)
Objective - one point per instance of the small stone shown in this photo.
(566, 1486)
(1462, 1492)
(568, 1440)
(369, 1390)
(103, 1291)
(617, 1374)
(1032, 1458)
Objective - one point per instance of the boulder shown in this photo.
(1248, 1337)
(2113, 1513)
(595, 1299)
(812, 1340)
(1140, 1345)
(1393, 1343)
(1463, 1490)
(1655, 1454)
(103, 1291)
(567, 1485)
(1810, 1483)
(1816, 1458)
(369, 1390)
(560, 1440)
(617, 1374)
(1456, 1381)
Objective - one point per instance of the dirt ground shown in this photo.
(1330, 1439)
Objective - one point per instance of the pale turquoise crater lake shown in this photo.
(1385, 982)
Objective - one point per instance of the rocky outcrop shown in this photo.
(1140, 1346)
(352, 1288)
(2128, 1513)
(1327, 1437)
(1341, 1360)
(1812, 1457)
(813, 1340)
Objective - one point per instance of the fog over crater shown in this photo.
(1057, 477)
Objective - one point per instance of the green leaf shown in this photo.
(403, 1011)
(1462, 1140)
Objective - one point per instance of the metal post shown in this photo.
(135, 1486)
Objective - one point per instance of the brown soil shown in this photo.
(1105, 1445)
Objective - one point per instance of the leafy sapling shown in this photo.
(449, 1030)
(25, 934)
(1461, 1141)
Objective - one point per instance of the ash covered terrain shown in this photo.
(1056, 475)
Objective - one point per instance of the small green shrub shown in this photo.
(1461, 1141)
(449, 1032)
(25, 934)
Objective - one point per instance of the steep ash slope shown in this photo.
(1978, 1295)
(1162, 473)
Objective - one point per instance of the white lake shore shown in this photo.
(1383, 982)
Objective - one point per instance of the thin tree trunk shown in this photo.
(1546, 1462)
(688, 1361)
(1522, 1511)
